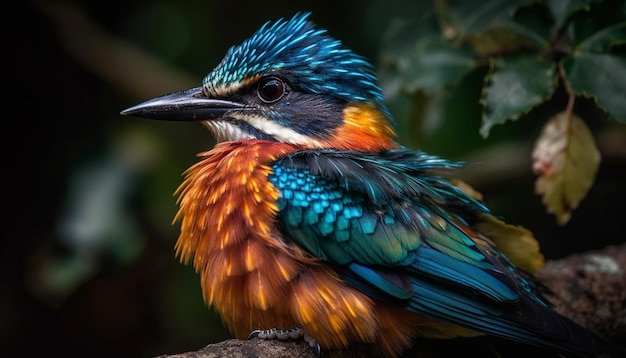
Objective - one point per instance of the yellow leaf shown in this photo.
(517, 243)
(566, 159)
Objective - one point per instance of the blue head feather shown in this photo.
(314, 61)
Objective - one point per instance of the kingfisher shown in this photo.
(308, 214)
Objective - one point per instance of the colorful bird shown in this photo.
(308, 213)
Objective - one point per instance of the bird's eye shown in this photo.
(271, 89)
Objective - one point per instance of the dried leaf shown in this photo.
(517, 243)
(566, 159)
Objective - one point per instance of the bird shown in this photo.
(309, 216)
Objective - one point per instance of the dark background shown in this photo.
(88, 266)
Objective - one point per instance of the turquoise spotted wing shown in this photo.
(366, 213)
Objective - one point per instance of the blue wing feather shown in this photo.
(393, 228)
(437, 264)
(365, 209)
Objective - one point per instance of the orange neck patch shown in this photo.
(365, 128)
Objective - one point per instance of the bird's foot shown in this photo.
(286, 334)
(280, 334)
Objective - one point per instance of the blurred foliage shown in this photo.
(88, 266)
(524, 51)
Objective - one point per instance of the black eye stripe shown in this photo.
(271, 89)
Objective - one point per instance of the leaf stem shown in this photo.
(570, 94)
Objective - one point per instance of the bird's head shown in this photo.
(290, 82)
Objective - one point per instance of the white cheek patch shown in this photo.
(227, 131)
(281, 133)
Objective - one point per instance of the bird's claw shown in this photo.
(313, 343)
(286, 334)
(280, 334)
(254, 334)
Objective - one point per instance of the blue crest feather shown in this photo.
(314, 61)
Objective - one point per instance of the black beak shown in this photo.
(188, 105)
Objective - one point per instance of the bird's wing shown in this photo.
(395, 230)
(370, 213)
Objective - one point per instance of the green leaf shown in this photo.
(605, 38)
(514, 86)
(435, 63)
(398, 47)
(599, 28)
(599, 76)
(536, 23)
(566, 159)
(562, 10)
(401, 36)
